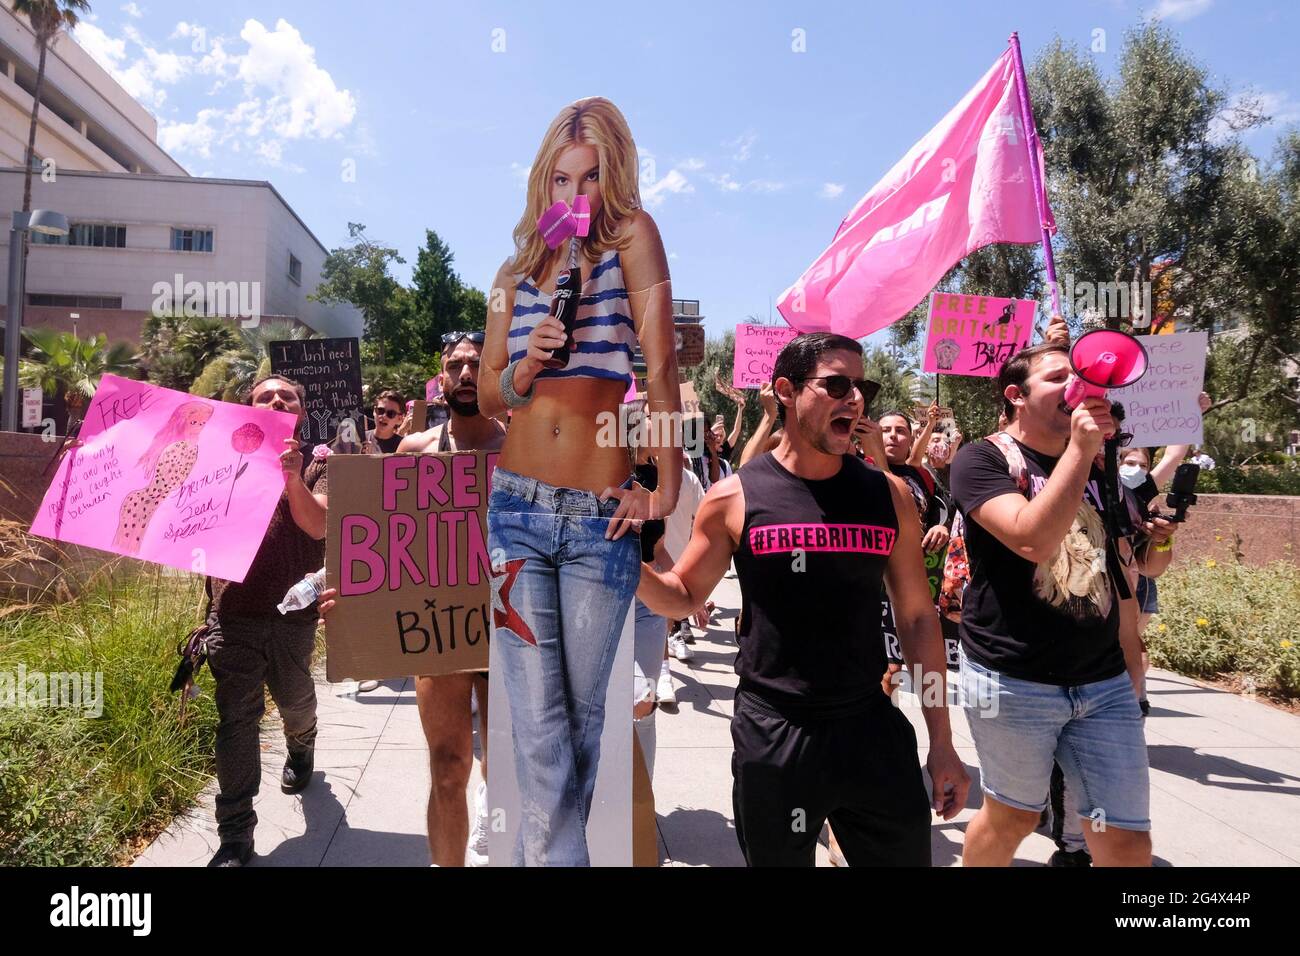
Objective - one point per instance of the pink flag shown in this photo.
(965, 185)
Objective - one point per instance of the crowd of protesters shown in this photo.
(864, 543)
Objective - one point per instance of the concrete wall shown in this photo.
(1268, 526)
(253, 234)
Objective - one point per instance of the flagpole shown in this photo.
(1031, 145)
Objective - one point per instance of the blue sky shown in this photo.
(752, 152)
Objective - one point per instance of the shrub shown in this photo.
(77, 790)
(1230, 618)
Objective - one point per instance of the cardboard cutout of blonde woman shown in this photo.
(588, 281)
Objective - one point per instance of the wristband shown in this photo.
(508, 394)
(1168, 545)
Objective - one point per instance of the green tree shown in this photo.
(48, 18)
(231, 374)
(358, 274)
(61, 362)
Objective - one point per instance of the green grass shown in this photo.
(1222, 619)
(76, 790)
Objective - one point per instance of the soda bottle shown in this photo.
(564, 306)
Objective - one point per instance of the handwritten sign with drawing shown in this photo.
(165, 477)
(975, 334)
(406, 547)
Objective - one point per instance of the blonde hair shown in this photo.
(593, 121)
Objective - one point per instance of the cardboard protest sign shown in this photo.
(406, 546)
(1161, 407)
(921, 413)
(166, 477)
(757, 347)
(975, 334)
(330, 371)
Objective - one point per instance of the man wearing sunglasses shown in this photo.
(816, 534)
(444, 702)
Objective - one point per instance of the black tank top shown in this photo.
(811, 564)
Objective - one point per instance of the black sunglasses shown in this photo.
(451, 338)
(386, 412)
(837, 386)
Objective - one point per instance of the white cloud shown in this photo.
(304, 100)
(1279, 108)
(1178, 10)
(691, 164)
(764, 186)
(519, 173)
(743, 146)
(672, 257)
(654, 194)
(726, 183)
(831, 190)
(142, 77)
(132, 10)
(194, 139)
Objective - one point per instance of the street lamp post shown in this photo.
(48, 223)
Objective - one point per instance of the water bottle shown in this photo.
(304, 593)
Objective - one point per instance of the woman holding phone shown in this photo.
(565, 567)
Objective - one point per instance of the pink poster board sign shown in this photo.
(975, 334)
(757, 347)
(166, 477)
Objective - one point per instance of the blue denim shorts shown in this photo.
(1094, 731)
(1148, 595)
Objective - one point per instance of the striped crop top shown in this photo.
(604, 334)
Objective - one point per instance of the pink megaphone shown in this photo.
(1103, 359)
(557, 224)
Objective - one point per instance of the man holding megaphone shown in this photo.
(1043, 674)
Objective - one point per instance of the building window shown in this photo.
(191, 240)
(100, 235)
(295, 269)
(74, 301)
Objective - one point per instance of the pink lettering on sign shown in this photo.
(835, 538)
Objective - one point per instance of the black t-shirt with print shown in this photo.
(1004, 626)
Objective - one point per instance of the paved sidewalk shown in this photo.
(1224, 781)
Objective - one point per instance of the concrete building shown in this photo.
(139, 221)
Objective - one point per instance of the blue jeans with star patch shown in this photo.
(561, 593)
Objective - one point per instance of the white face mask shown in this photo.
(1133, 476)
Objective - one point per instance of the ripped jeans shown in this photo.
(560, 595)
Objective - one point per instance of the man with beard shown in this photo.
(444, 702)
(815, 735)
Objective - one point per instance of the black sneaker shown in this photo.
(232, 854)
(1070, 858)
(297, 772)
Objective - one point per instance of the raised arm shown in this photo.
(923, 439)
(735, 429)
(650, 295)
(757, 443)
(1034, 528)
(715, 536)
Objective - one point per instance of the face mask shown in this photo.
(1133, 476)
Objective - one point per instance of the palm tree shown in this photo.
(60, 361)
(230, 375)
(203, 338)
(48, 19)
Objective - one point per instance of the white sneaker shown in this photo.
(476, 853)
(678, 648)
(664, 691)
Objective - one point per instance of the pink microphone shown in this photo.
(582, 213)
